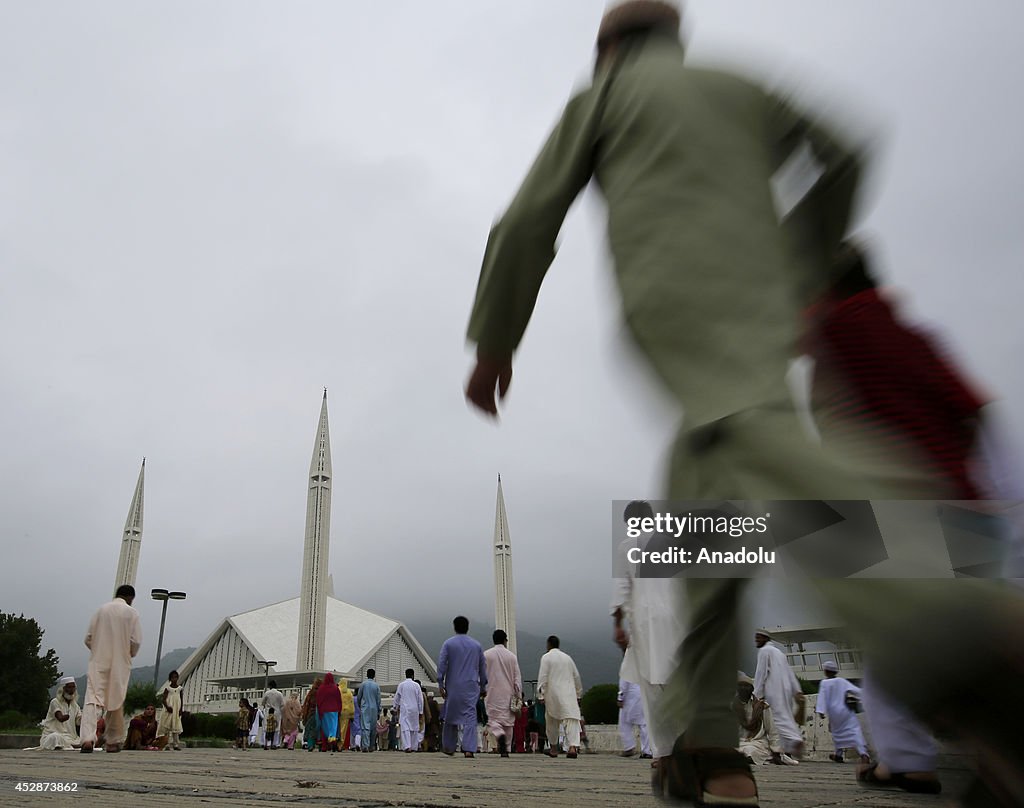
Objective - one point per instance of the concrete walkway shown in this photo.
(226, 777)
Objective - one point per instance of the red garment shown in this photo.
(519, 731)
(870, 368)
(328, 696)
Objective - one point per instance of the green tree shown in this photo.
(139, 696)
(599, 705)
(25, 676)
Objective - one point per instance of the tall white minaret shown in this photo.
(313, 599)
(131, 539)
(504, 600)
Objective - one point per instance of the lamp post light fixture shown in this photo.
(267, 665)
(164, 595)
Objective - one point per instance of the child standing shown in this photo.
(170, 718)
(271, 728)
(242, 724)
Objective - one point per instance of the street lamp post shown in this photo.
(267, 665)
(164, 595)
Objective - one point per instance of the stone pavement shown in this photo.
(223, 778)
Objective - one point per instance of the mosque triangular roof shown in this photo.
(353, 636)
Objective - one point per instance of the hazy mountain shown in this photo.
(169, 662)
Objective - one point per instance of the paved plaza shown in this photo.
(226, 777)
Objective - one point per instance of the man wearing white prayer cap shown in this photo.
(758, 740)
(60, 727)
(834, 703)
(775, 682)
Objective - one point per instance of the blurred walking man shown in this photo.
(713, 287)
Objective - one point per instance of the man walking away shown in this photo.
(113, 638)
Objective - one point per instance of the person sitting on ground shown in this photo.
(142, 731)
(758, 739)
(60, 727)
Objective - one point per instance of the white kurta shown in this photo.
(656, 624)
(274, 698)
(559, 685)
(653, 610)
(842, 722)
(504, 680)
(776, 683)
(760, 744)
(60, 734)
(409, 703)
(114, 637)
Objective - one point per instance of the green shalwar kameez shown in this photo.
(713, 287)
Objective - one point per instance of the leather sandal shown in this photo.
(867, 777)
(682, 776)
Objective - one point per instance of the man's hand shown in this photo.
(621, 637)
(490, 373)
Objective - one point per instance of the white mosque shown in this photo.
(297, 640)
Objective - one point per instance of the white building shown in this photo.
(807, 648)
(226, 666)
(295, 641)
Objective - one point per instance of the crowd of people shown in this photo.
(481, 703)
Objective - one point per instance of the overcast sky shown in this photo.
(210, 211)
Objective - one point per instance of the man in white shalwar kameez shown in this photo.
(758, 739)
(559, 686)
(504, 683)
(273, 697)
(409, 703)
(60, 727)
(114, 637)
(632, 719)
(652, 608)
(775, 682)
(842, 721)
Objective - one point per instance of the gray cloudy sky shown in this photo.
(211, 210)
